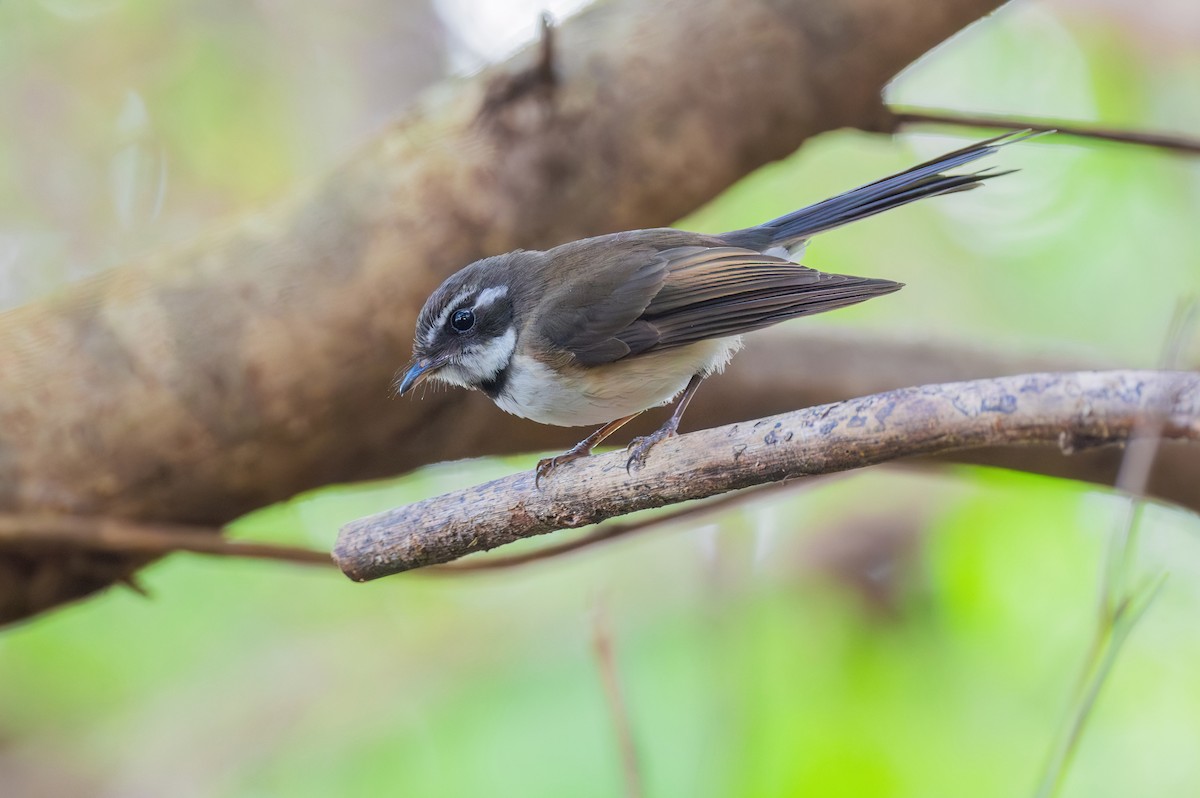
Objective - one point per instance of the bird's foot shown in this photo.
(548, 464)
(638, 448)
(581, 449)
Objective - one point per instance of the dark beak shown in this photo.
(417, 371)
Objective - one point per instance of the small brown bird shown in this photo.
(599, 330)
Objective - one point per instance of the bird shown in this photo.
(599, 330)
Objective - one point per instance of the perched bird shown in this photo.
(597, 331)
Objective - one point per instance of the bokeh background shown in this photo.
(887, 633)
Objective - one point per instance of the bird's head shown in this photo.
(466, 333)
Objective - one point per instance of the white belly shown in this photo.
(601, 394)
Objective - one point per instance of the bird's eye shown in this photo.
(462, 320)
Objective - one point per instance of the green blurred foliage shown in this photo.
(133, 125)
(885, 633)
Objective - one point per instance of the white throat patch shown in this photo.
(480, 363)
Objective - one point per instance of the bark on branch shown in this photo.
(194, 386)
(1072, 410)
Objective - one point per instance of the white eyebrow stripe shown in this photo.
(489, 295)
(450, 307)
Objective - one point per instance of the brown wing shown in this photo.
(587, 313)
(724, 291)
(683, 295)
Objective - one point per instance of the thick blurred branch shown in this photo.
(194, 386)
(1072, 410)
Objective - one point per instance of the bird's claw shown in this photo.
(548, 464)
(544, 467)
(638, 448)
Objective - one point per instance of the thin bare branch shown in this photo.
(1141, 452)
(602, 645)
(1077, 410)
(1098, 665)
(1120, 607)
(81, 533)
(1166, 141)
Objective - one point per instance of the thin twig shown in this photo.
(1166, 141)
(88, 533)
(1138, 461)
(1102, 656)
(1118, 608)
(602, 645)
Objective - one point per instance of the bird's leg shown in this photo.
(581, 449)
(639, 447)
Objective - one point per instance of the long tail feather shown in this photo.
(924, 180)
